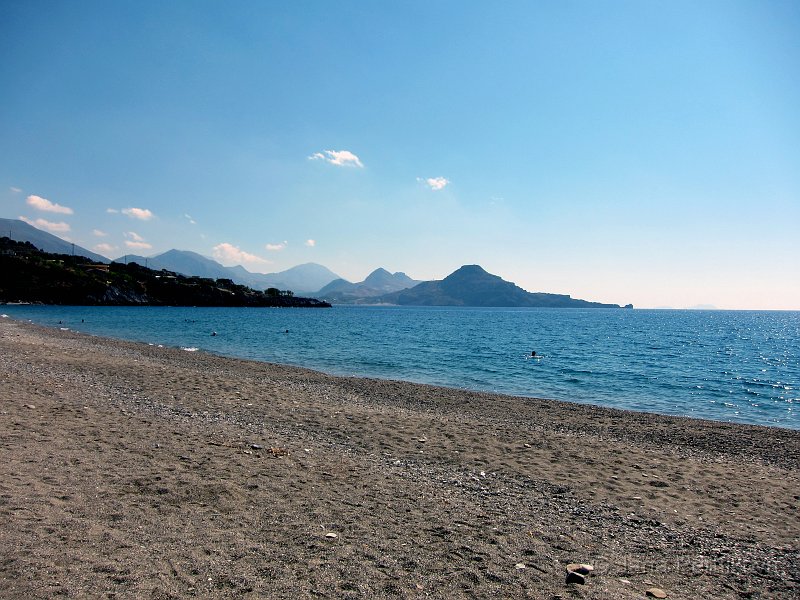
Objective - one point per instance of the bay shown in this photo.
(738, 366)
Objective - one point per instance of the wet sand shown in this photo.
(132, 471)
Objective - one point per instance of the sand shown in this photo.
(133, 471)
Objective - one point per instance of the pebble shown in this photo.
(520, 566)
(332, 535)
(29, 406)
(656, 593)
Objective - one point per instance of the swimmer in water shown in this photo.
(533, 353)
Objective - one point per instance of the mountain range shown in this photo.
(303, 279)
(470, 285)
(33, 276)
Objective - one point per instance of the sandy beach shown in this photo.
(133, 471)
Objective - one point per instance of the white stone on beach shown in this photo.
(581, 568)
(331, 535)
(656, 593)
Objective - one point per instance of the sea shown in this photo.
(736, 366)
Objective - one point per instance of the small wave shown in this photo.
(4, 316)
(191, 349)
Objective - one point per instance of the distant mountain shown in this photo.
(20, 231)
(180, 261)
(304, 278)
(337, 287)
(301, 279)
(472, 286)
(377, 283)
(381, 279)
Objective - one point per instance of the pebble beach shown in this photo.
(136, 471)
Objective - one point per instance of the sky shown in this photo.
(639, 152)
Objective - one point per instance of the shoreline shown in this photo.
(146, 471)
(341, 371)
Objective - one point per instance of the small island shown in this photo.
(33, 276)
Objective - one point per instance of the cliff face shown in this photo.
(30, 275)
(473, 286)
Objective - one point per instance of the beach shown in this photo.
(135, 471)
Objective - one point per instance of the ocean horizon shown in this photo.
(736, 366)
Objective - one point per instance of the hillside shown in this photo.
(20, 231)
(472, 286)
(30, 275)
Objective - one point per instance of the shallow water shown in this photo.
(741, 366)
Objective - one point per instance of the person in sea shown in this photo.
(533, 353)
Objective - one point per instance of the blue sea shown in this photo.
(738, 366)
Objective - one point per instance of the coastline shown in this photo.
(145, 471)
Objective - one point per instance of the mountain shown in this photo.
(338, 287)
(377, 283)
(180, 261)
(381, 279)
(300, 279)
(306, 278)
(472, 286)
(20, 231)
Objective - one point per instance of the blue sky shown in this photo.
(644, 152)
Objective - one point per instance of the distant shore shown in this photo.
(138, 471)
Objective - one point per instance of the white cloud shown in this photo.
(45, 205)
(230, 255)
(138, 245)
(311, 243)
(190, 219)
(340, 158)
(136, 241)
(15, 190)
(142, 214)
(277, 247)
(435, 183)
(99, 233)
(104, 248)
(134, 236)
(112, 211)
(48, 225)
